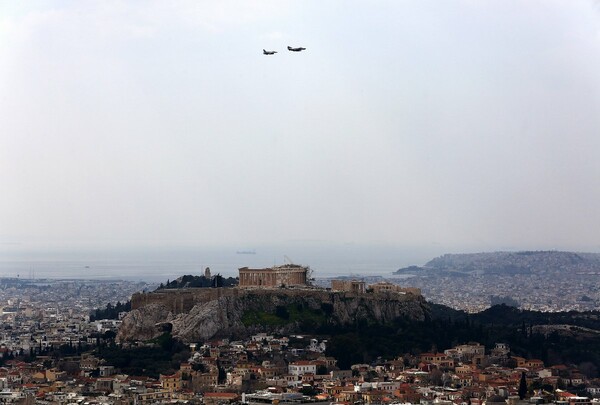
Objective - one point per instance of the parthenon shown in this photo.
(276, 276)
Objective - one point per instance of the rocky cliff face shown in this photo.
(197, 315)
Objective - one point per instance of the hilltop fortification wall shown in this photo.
(182, 300)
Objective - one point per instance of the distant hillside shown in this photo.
(526, 262)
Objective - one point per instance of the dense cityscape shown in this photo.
(536, 292)
(58, 348)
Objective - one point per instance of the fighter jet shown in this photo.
(295, 49)
(269, 52)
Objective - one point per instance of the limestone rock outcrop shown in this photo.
(144, 322)
(194, 315)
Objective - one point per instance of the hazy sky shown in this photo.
(420, 123)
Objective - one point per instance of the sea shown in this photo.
(159, 264)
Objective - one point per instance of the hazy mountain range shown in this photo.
(525, 262)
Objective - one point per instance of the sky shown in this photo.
(459, 125)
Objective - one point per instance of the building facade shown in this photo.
(302, 367)
(386, 287)
(348, 285)
(277, 276)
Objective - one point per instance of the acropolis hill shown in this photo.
(197, 314)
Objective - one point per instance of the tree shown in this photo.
(588, 369)
(222, 374)
(435, 377)
(217, 281)
(522, 386)
(282, 312)
(109, 335)
(308, 390)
